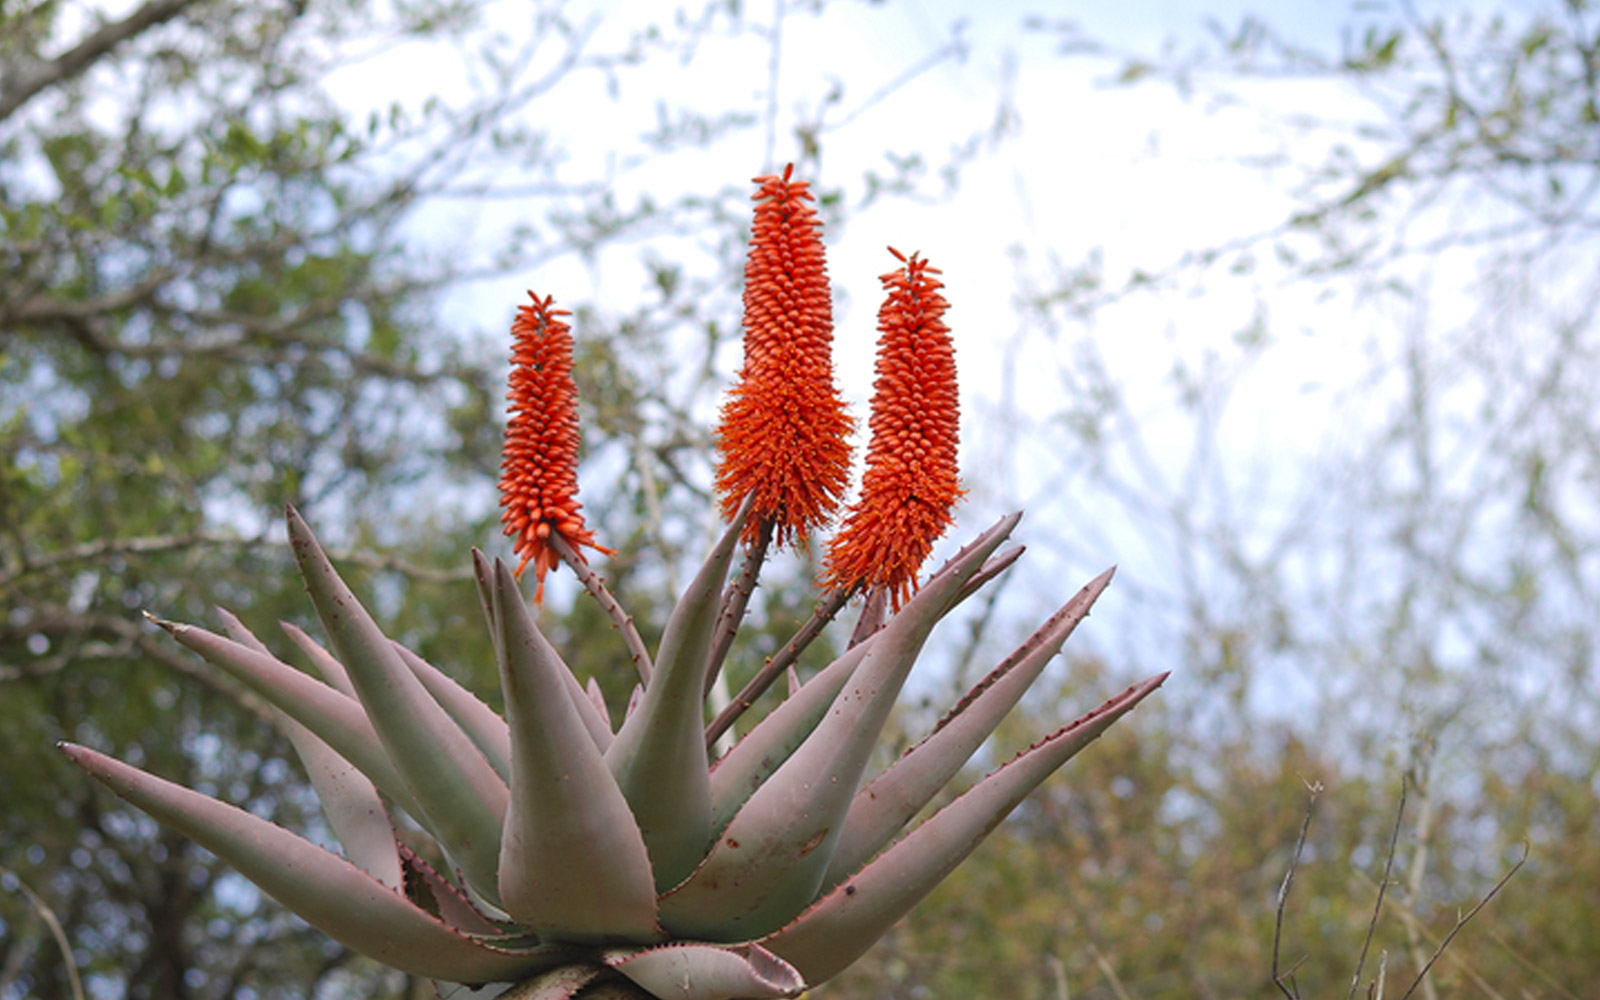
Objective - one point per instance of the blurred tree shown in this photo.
(224, 292)
(1403, 574)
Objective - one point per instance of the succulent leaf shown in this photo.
(463, 801)
(888, 802)
(572, 863)
(738, 773)
(770, 861)
(349, 801)
(487, 730)
(328, 892)
(336, 718)
(438, 895)
(845, 923)
(332, 671)
(659, 755)
(708, 972)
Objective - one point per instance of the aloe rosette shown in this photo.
(553, 855)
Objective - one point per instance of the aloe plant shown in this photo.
(577, 859)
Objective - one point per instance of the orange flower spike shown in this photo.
(911, 481)
(539, 462)
(784, 430)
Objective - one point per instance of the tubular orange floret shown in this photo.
(783, 433)
(911, 480)
(539, 463)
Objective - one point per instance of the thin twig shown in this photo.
(1109, 972)
(1462, 922)
(1383, 886)
(597, 589)
(776, 664)
(49, 917)
(734, 602)
(1315, 788)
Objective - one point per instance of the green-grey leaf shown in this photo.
(326, 891)
(659, 755)
(572, 864)
(336, 718)
(739, 772)
(889, 801)
(463, 801)
(486, 729)
(708, 972)
(769, 863)
(840, 928)
(349, 801)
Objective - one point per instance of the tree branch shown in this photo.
(23, 87)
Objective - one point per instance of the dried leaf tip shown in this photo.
(539, 462)
(783, 435)
(911, 481)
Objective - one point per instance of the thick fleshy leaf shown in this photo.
(337, 719)
(659, 755)
(487, 730)
(769, 863)
(350, 802)
(840, 928)
(738, 773)
(438, 895)
(889, 801)
(326, 891)
(709, 972)
(572, 864)
(463, 801)
(330, 668)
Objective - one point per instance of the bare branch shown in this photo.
(1377, 908)
(1461, 922)
(23, 87)
(1278, 978)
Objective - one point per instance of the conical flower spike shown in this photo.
(539, 467)
(784, 428)
(910, 483)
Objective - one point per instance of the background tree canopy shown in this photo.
(1340, 436)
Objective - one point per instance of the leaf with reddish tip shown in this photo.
(597, 697)
(659, 755)
(337, 719)
(463, 801)
(349, 801)
(708, 972)
(325, 890)
(738, 773)
(572, 862)
(840, 928)
(486, 729)
(889, 801)
(769, 863)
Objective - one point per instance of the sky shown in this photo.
(1136, 175)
